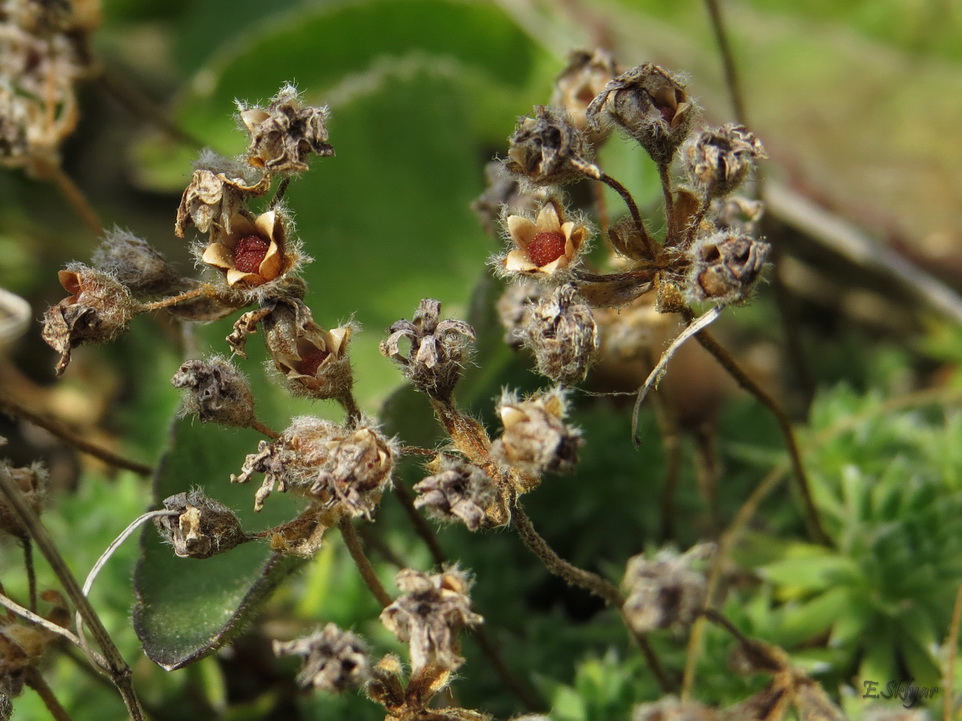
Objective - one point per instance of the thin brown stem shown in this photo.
(706, 470)
(810, 512)
(349, 403)
(12, 408)
(115, 665)
(264, 430)
(665, 682)
(354, 547)
(665, 178)
(952, 643)
(75, 198)
(31, 572)
(651, 248)
(204, 289)
(281, 192)
(728, 60)
(601, 207)
(421, 526)
(691, 230)
(139, 104)
(35, 681)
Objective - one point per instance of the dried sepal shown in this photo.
(515, 307)
(536, 439)
(134, 263)
(216, 392)
(429, 614)
(547, 149)
(254, 254)
(22, 644)
(334, 660)
(460, 491)
(98, 310)
(586, 76)
(340, 467)
(725, 267)
(32, 482)
(286, 133)
(219, 190)
(504, 194)
(439, 349)
(202, 527)
(562, 335)
(544, 247)
(651, 105)
(719, 158)
(667, 591)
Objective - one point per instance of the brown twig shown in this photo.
(728, 60)
(264, 430)
(421, 526)
(665, 178)
(354, 547)
(31, 572)
(281, 192)
(35, 681)
(75, 198)
(12, 408)
(204, 289)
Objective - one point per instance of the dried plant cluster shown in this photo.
(565, 308)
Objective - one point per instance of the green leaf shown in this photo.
(807, 567)
(187, 607)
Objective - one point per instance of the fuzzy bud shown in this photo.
(562, 335)
(202, 527)
(285, 134)
(547, 149)
(665, 591)
(330, 464)
(457, 491)
(32, 482)
(725, 267)
(219, 189)
(215, 392)
(439, 349)
(98, 310)
(720, 158)
(334, 660)
(429, 615)
(651, 105)
(135, 264)
(536, 440)
(312, 362)
(514, 309)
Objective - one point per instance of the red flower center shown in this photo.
(546, 247)
(249, 253)
(311, 361)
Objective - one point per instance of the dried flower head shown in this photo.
(665, 591)
(504, 194)
(216, 392)
(545, 246)
(547, 149)
(135, 264)
(725, 267)
(333, 465)
(22, 643)
(334, 660)
(98, 310)
(585, 77)
(536, 440)
(219, 190)
(32, 482)
(633, 332)
(562, 334)
(202, 527)
(439, 349)
(671, 709)
(429, 615)
(254, 253)
(286, 133)
(515, 307)
(737, 214)
(457, 491)
(720, 158)
(312, 362)
(651, 105)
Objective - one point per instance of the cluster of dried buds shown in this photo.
(707, 255)
(44, 53)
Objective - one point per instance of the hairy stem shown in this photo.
(264, 430)
(12, 408)
(76, 199)
(35, 681)
(281, 192)
(466, 433)
(114, 664)
(204, 289)
(349, 403)
(31, 572)
(665, 178)
(354, 547)
(651, 248)
(421, 526)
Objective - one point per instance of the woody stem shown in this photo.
(175, 299)
(356, 549)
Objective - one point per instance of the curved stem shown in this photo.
(76, 198)
(264, 430)
(812, 519)
(31, 571)
(728, 60)
(204, 289)
(665, 179)
(14, 409)
(420, 525)
(650, 246)
(35, 681)
(354, 547)
(349, 403)
(281, 192)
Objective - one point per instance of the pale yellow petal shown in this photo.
(522, 230)
(218, 255)
(517, 261)
(548, 220)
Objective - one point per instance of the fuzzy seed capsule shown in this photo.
(563, 336)
(725, 267)
(334, 660)
(216, 392)
(547, 149)
(536, 440)
(720, 158)
(202, 527)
